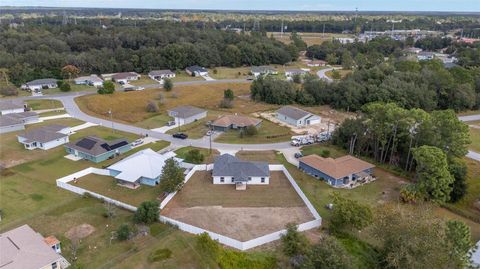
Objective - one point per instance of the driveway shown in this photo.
(470, 117)
(208, 78)
(473, 155)
(321, 73)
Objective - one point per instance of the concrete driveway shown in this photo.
(322, 73)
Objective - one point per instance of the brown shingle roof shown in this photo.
(239, 121)
(336, 168)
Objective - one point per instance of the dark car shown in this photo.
(180, 135)
(298, 155)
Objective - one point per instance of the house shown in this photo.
(345, 171)
(39, 84)
(227, 122)
(45, 137)
(11, 106)
(196, 71)
(186, 114)
(125, 77)
(295, 72)
(92, 80)
(296, 116)
(425, 55)
(345, 40)
(16, 121)
(161, 74)
(97, 150)
(24, 248)
(314, 63)
(144, 167)
(257, 71)
(228, 169)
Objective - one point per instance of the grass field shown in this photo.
(229, 73)
(269, 156)
(40, 104)
(268, 132)
(53, 113)
(208, 156)
(343, 73)
(309, 38)
(74, 88)
(156, 121)
(182, 76)
(475, 137)
(144, 80)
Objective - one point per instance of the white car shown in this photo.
(137, 142)
(209, 133)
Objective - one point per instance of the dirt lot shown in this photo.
(242, 215)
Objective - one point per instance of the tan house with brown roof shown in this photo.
(345, 171)
(227, 122)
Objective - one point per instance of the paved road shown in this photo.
(321, 73)
(470, 118)
(197, 82)
(473, 155)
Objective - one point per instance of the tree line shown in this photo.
(39, 51)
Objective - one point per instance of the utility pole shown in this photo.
(111, 119)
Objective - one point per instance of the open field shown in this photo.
(268, 132)
(229, 73)
(208, 157)
(181, 76)
(309, 38)
(475, 137)
(239, 214)
(161, 119)
(108, 186)
(74, 88)
(40, 104)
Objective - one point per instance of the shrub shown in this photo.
(108, 88)
(159, 255)
(297, 79)
(8, 91)
(123, 232)
(208, 246)
(152, 107)
(251, 130)
(65, 87)
(228, 94)
(294, 243)
(147, 212)
(215, 71)
(410, 194)
(336, 74)
(60, 83)
(194, 156)
(168, 84)
(226, 103)
(325, 153)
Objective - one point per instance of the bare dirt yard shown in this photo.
(242, 215)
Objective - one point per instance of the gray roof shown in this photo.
(9, 121)
(44, 134)
(23, 115)
(186, 111)
(160, 72)
(228, 165)
(24, 248)
(196, 68)
(11, 104)
(262, 69)
(124, 75)
(296, 71)
(44, 81)
(293, 112)
(95, 146)
(16, 118)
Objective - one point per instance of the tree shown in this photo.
(251, 130)
(228, 94)
(108, 88)
(347, 60)
(458, 169)
(147, 212)
(152, 107)
(232, 56)
(65, 87)
(70, 71)
(331, 58)
(336, 74)
(194, 156)
(458, 236)
(327, 254)
(168, 84)
(297, 79)
(110, 210)
(432, 176)
(123, 232)
(294, 243)
(172, 176)
(349, 213)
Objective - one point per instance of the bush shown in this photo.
(409, 194)
(108, 88)
(251, 130)
(124, 232)
(60, 83)
(8, 91)
(194, 156)
(65, 87)
(325, 153)
(168, 84)
(226, 103)
(152, 107)
(160, 255)
(208, 246)
(294, 243)
(297, 79)
(228, 94)
(147, 212)
(336, 74)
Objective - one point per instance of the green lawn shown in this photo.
(182, 76)
(144, 80)
(229, 73)
(156, 121)
(268, 132)
(106, 185)
(53, 113)
(40, 104)
(208, 156)
(475, 137)
(320, 149)
(74, 88)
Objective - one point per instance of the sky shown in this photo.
(306, 5)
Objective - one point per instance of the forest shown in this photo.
(39, 51)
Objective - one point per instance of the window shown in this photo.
(222, 179)
(262, 180)
(249, 178)
(54, 265)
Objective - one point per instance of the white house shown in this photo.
(228, 169)
(11, 106)
(45, 137)
(345, 40)
(16, 121)
(294, 72)
(296, 116)
(39, 84)
(257, 71)
(125, 77)
(315, 63)
(196, 71)
(92, 80)
(186, 114)
(425, 55)
(144, 167)
(161, 74)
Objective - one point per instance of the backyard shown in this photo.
(208, 156)
(268, 132)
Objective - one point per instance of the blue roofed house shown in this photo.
(228, 169)
(144, 167)
(343, 172)
(95, 149)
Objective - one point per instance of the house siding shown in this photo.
(253, 181)
(47, 145)
(150, 181)
(183, 121)
(10, 111)
(98, 158)
(330, 180)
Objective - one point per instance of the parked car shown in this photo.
(171, 123)
(209, 133)
(180, 135)
(137, 142)
(298, 155)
